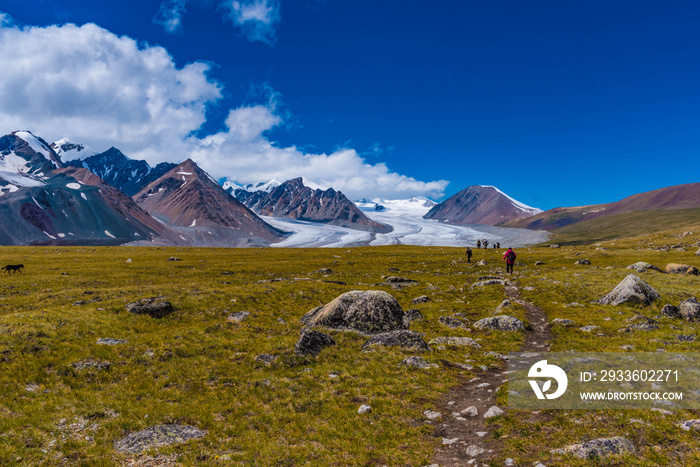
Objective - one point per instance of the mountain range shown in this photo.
(67, 193)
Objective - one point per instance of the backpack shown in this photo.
(511, 256)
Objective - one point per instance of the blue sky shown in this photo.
(556, 103)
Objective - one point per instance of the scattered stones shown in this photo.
(642, 266)
(675, 268)
(411, 315)
(494, 411)
(470, 411)
(685, 338)
(500, 323)
(488, 282)
(173, 258)
(689, 309)
(562, 322)
(417, 362)
(582, 261)
(156, 436)
(589, 328)
(401, 338)
(421, 299)
(91, 363)
(432, 415)
(600, 447)
(155, 307)
(265, 358)
(670, 311)
(239, 316)
(632, 290)
(539, 263)
(456, 341)
(690, 425)
(366, 312)
(364, 408)
(312, 342)
(110, 341)
(474, 450)
(451, 322)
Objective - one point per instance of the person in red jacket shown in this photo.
(509, 258)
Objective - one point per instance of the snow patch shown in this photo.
(194, 223)
(518, 204)
(73, 186)
(49, 235)
(184, 173)
(36, 145)
(109, 234)
(83, 196)
(61, 235)
(68, 150)
(13, 168)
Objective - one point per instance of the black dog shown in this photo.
(14, 268)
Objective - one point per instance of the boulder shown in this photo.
(670, 311)
(482, 263)
(411, 315)
(641, 266)
(401, 338)
(493, 411)
(155, 307)
(157, 436)
(110, 341)
(456, 341)
(562, 322)
(689, 425)
(689, 309)
(362, 311)
(312, 342)
(632, 290)
(421, 299)
(675, 268)
(500, 323)
(451, 322)
(239, 316)
(600, 447)
(582, 261)
(488, 282)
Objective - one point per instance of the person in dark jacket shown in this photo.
(469, 255)
(478, 244)
(509, 258)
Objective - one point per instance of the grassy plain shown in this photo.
(194, 367)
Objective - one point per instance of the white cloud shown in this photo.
(170, 14)
(87, 84)
(5, 20)
(257, 19)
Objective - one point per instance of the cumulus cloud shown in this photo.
(256, 19)
(170, 14)
(96, 88)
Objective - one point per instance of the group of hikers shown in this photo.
(509, 256)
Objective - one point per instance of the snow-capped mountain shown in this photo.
(294, 200)
(25, 161)
(188, 200)
(112, 166)
(68, 150)
(480, 204)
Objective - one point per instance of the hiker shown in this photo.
(498, 245)
(478, 244)
(494, 246)
(509, 258)
(486, 244)
(469, 255)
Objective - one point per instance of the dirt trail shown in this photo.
(472, 433)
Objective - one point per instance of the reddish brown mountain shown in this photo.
(480, 205)
(667, 199)
(293, 200)
(188, 200)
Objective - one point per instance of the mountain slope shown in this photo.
(187, 199)
(664, 199)
(128, 175)
(480, 205)
(293, 200)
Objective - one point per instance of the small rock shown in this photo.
(173, 258)
(690, 425)
(364, 408)
(456, 341)
(597, 448)
(411, 315)
(417, 362)
(589, 328)
(324, 271)
(494, 411)
(482, 263)
(689, 309)
(642, 266)
(675, 268)
(281, 321)
(312, 342)
(90, 363)
(157, 436)
(474, 450)
(110, 341)
(509, 462)
(562, 322)
(488, 282)
(128, 260)
(451, 322)
(432, 415)
(500, 323)
(421, 299)
(446, 441)
(265, 358)
(539, 263)
(470, 411)
(670, 311)
(584, 262)
(401, 338)
(155, 307)
(239, 316)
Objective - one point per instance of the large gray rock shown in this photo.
(312, 342)
(675, 268)
(690, 309)
(401, 338)
(670, 311)
(500, 323)
(600, 447)
(156, 436)
(632, 290)
(362, 311)
(156, 307)
(417, 362)
(641, 266)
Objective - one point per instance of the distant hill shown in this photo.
(294, 200)
(188, 200)
(480, 205)
(664, 199)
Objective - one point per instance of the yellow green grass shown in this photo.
(194, 367)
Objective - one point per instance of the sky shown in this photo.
(555, 103)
